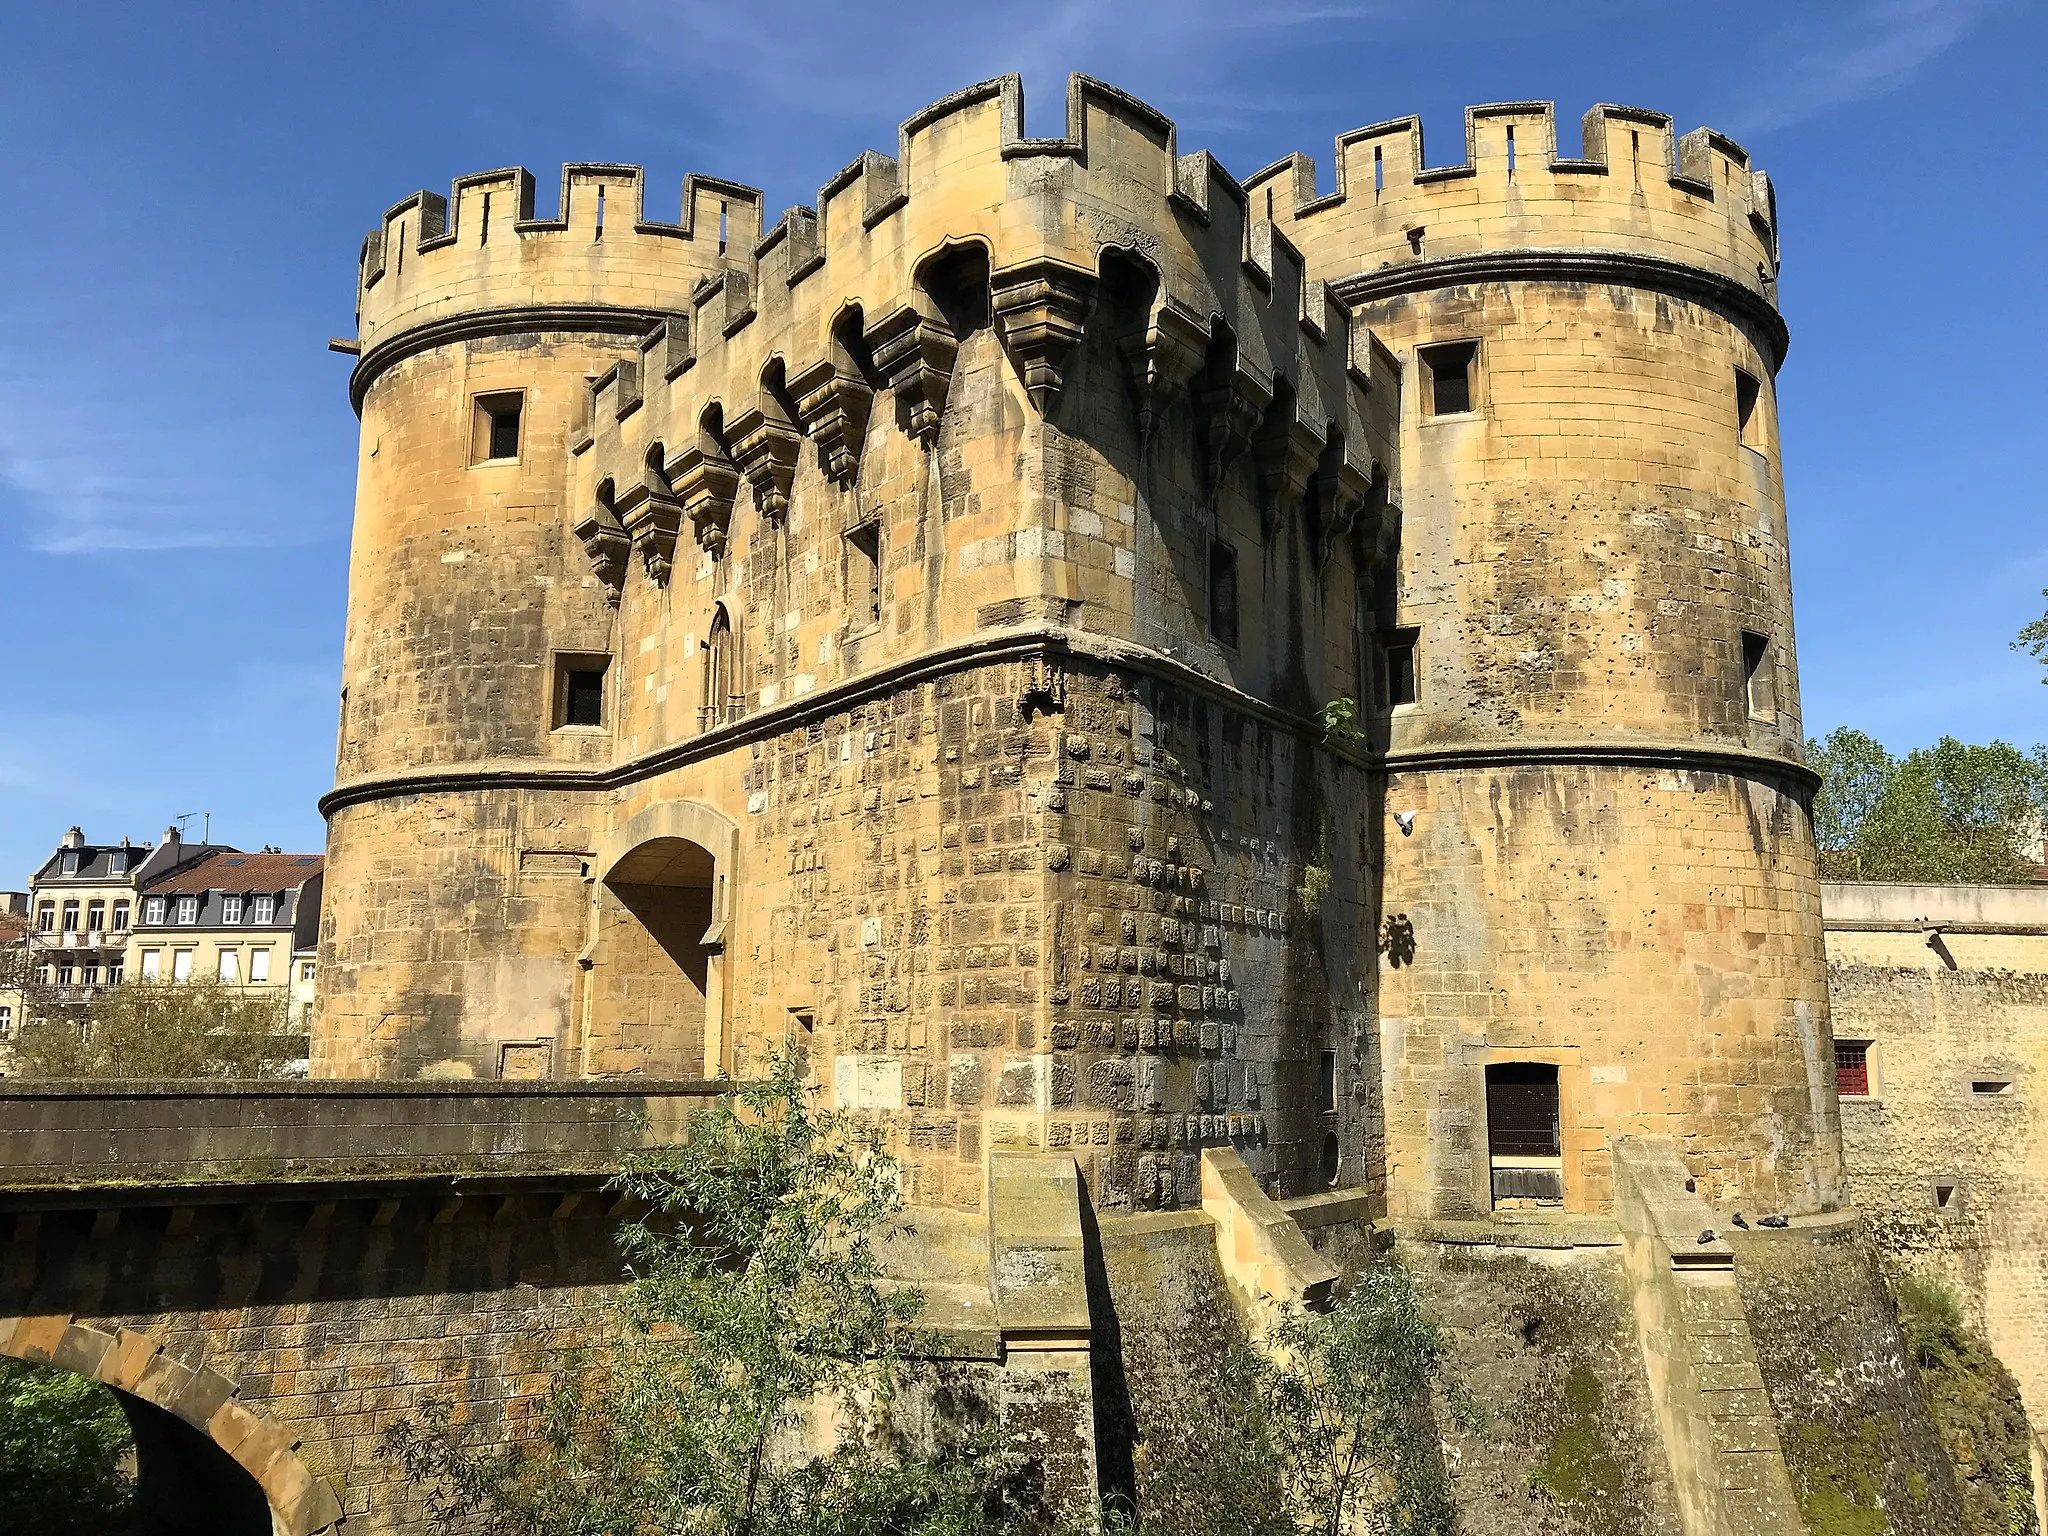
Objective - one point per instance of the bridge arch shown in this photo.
(206, 1462)
(653, 974)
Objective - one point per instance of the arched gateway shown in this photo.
(206, 1464)
(652, 998)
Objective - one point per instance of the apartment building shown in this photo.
(238, 918)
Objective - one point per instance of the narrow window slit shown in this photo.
(486, 235)
(1511, 149)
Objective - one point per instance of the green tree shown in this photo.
(754, 1298)
(1349, 1397)
(1855, 770)
(163, 1029)
(63, 1446)
(1952, 812)
(2033, 638)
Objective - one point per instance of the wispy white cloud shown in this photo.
(1822, 62)
(1176, 52)
(92, 462)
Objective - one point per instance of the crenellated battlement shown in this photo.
(963, 171)
(1635, 188)
(1201, 297)
(435, 260)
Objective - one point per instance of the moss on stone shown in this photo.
(1975, 1405)
(1862, 1452)
(1838, 1473)
(1579, 1470)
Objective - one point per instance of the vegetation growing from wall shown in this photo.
(1976, 1408)
(1861, 1449)
(1570, 1444)
(754, 1313)
(163, 1029)
(64, 1448)
(1330, 1424)
(1951, 812)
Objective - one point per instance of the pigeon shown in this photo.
(1740, 1222)
(1707, 1236)
(1774, 1221)
(1405, 820)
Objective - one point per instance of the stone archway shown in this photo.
(206, 1462)
(654, 994)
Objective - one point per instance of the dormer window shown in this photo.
(231, 909)
(153, 909)
(68, 864)
(266, 909)
(117, 862)
(188, 909)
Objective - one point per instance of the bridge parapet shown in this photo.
(94, 1135)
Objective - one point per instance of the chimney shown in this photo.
(74, 838)
(170, 837)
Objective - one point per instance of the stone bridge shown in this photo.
(271, 1275)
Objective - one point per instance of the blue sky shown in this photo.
(187, 186)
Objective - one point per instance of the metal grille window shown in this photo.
(1852, 1068)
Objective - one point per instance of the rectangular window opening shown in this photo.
(259, 965)
(1223, 593)
(188, 909)
(1852, 1069)
(1524, 1134)
(152, 964)
(495, 436)
(115, 970)
(1748, 425)
(1447, 371)
(1511, 149)
(864, 573)
(1379, 170)
(1990, 1087)
(1398, 680)
(1944, 1196)
(231, 909)
(120, 917)
(579, 690)
(266, 908)
(1326, 1083)
(181, 965)
(1759, 677)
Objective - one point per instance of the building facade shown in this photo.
(1107, 657)
(229, 917)
(83, 904)
(1941, 1043)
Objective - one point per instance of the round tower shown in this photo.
(1602, 904)
(479, 643)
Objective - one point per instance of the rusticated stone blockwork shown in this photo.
(907, 633)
